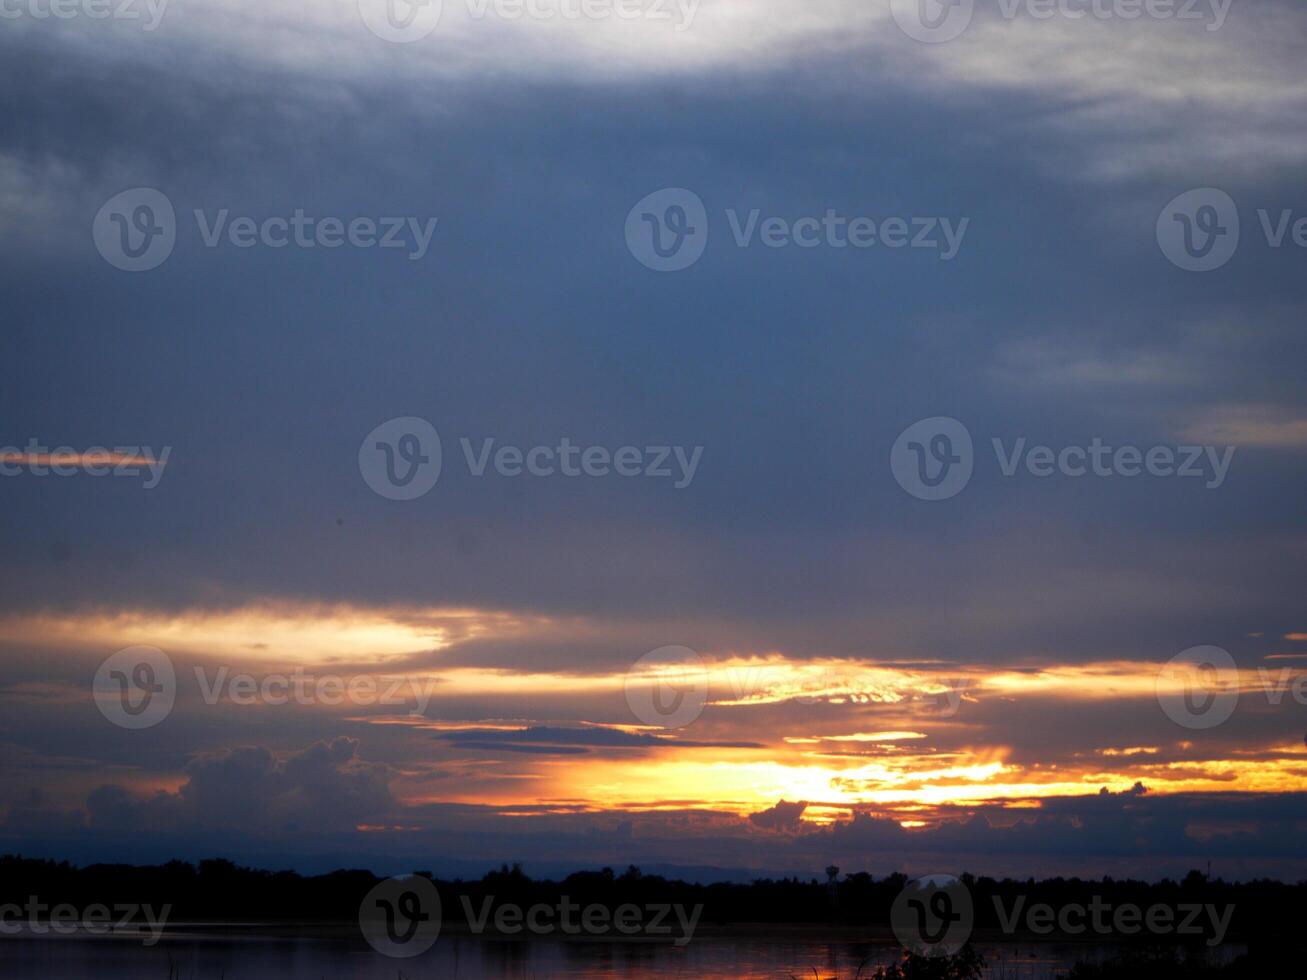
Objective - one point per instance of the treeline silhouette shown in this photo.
(1265, 912)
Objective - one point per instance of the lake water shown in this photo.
(200, 957)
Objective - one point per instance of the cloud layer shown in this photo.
(1014, 632)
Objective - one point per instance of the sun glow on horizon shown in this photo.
(839, 735)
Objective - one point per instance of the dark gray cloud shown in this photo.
(323, 788)
(573, 740)
(782, 816)
(528, 321)
(795, 371)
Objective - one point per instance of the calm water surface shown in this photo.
(198, 957)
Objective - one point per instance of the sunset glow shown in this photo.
(772, 728)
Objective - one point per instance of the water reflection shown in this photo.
(191, 957)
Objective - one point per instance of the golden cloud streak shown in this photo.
(279, 633)
(80, 460)
(906, 771)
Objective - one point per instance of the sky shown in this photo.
(318, 327)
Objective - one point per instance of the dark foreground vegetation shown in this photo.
(1266, 917)
(1143, 963)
